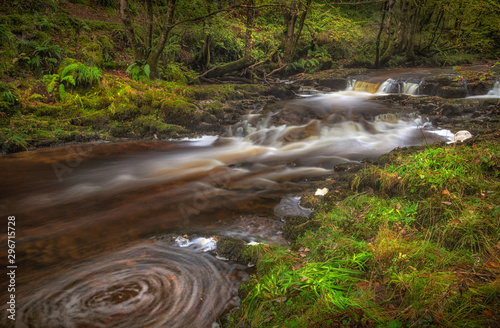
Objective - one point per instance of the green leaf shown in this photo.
(147, 70)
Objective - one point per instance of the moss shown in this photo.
(231, 248)
(179, 112)
(120, 130)
(150, 127)
(126, 112)
(214, 108)
(296, 227)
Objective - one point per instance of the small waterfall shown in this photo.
(366, 86)
(496, 90)
(399, 87)
(388, 86)
(410, 88)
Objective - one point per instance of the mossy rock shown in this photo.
(99, 120)
(297, 226)
(334, 84)
(149, 127)
(179, 112)
(281, 92)
(120, 130)
(126, 112)
(47, 110)
(231, 248)
(250, 88)
(452, 92)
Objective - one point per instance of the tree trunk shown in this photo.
(155, 53)
(290, 17)
(148, 40)
(249, 29)
(377, 43)
(301, 24)
(129, 30)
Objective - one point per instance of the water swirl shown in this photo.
(149, 285)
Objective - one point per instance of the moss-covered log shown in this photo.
(234, 66)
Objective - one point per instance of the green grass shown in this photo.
(414, 243)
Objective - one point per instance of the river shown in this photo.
(95, 223)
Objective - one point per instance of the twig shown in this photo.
(276, 70)
(206, 72)
(261, 62)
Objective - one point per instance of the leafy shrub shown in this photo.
(139, 70)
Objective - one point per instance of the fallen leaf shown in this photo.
(398, 206)
(445, 192)
(362, 285)
(455, 221)
(446, 203)
(281, 299)
(492, 264)
(185, 236)
(302, 255)
(488, 313)
(296, 267)
(307, 250)
(303, 279)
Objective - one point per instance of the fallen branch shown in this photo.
(276, 70)
(204, 73)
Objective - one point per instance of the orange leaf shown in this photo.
(362, 285)
(445, 192)
(492, 264)
(171, 278)
(488, 313)
(455, 221)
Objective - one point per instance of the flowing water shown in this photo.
(94, 223)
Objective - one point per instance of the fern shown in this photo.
(78, 74)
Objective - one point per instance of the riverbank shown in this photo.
(110, 107)
(410, 240)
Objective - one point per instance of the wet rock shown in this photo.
(333, 84)
(478, 87)
(282, 92)
(452, 92)
(291, 206)
(235, 249)
(230, 248)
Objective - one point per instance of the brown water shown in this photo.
(85, 213)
